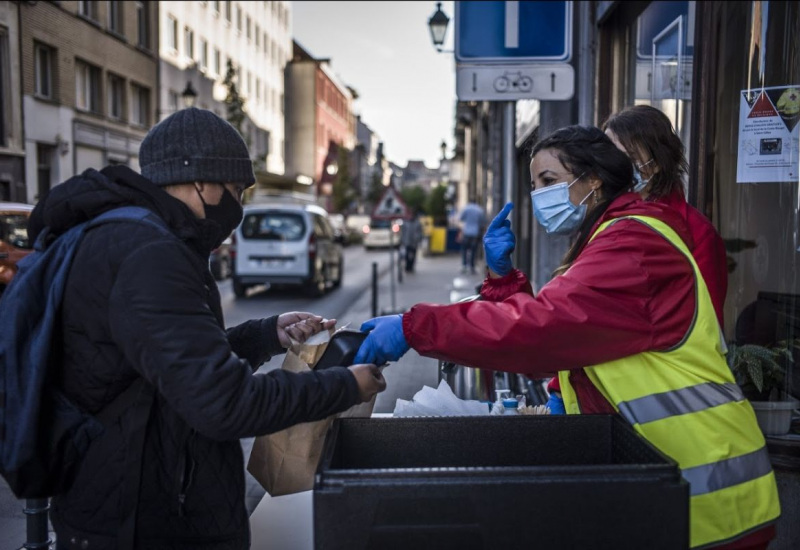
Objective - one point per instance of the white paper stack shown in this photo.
(439, 402)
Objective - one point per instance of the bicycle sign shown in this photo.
(545, 82)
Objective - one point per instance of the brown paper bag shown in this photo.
(284, 462)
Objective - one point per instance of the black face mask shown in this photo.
(227, 214)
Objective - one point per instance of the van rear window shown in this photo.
(14, 230)
(273, 226)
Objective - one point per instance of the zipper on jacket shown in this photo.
(186, 476)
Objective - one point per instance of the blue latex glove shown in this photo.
(385, 342)
(499, 242)
(556, 404)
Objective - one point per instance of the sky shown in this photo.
(407, 90)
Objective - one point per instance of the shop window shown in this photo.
(662, 65)
(754, 111)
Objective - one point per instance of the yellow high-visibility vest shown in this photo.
(685, 402)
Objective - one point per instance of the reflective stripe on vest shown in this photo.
(685, 402)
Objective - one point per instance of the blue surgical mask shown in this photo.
(641, 183)
(554, 211)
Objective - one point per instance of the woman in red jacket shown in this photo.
(646, 135)
(627, 320)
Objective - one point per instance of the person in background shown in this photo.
(142, 304)
(646, 135)
(410, 237)
(627, 321)
(473, 221)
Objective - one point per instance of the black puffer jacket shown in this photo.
(142, 304)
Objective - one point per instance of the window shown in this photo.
(215, 7)
(43, 61)
(87, 87)
(140, 105)
(143, 24)
(248, 28)
(116, 96)
(173, 101)
(188, 42)
(172, 33)
(228, 10)
(88, 9)
(203, 54)
(239, 19)
(217, 61)
(257, 33)
(45, 154)
(115, 16)
(5, 77)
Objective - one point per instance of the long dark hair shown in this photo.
(587, 150)
(645, 127)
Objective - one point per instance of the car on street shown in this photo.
(14, 242)
(286, 244)
(381, 233)
(220, 260)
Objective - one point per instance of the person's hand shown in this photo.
(300, 326)
(370, 381)
(499, 242)
(385, 342)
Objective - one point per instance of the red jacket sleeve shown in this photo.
(629, 291)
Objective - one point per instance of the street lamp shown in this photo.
(189, 95)
(438, 27)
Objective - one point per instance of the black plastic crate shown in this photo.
(483, 482)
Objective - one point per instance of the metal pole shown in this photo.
(509, 150)
(374, 289)
(391, 264)
(36, 523)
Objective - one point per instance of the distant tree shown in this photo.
(415, 197)
(436, 206)
(343, 192)
(233, 101)
(376, 190)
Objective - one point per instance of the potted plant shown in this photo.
(760, 372)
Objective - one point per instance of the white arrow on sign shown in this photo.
(545, 82)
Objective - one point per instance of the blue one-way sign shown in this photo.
(513, 32)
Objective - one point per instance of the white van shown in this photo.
(286, 244)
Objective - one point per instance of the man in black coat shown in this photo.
(140, 303)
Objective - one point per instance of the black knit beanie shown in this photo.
(195, 145)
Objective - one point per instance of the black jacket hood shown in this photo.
(91, 193)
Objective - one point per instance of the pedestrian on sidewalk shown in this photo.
(410, 237)
(473, 222)
(142, 304)
(628, 322)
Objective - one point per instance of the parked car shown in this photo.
(14, 242)
(381, 233)
(339, 229)
(220, 260)
(355, 224)
(286, 244)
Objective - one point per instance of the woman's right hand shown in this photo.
(499, 242)
(370, 381)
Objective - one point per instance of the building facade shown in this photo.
(88, 90)
(198, 41)
(12, 151)
(319, 120)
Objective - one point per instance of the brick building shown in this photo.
(88, 90)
